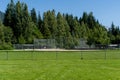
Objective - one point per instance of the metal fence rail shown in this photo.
(60, 55)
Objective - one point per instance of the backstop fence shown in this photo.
(59, 43)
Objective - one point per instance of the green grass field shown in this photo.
(21, 65)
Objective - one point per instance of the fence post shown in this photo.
(81, 55)
(105, 55)
(33, 52)
(32, 55)
(56, 55)
(7, 55)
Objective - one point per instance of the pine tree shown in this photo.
(18, 28)
(10, 15)
(64, 38)
(53, 24)
(34, 16)
(5, 37)
(45, 28)
(84, 30)
(9, 18)
(76, 29)
(84, 18)
(1, 34)
(114, 34)
(50, 22)
(40, 22)
(8, 34)
(70, 20)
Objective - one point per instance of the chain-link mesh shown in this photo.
(60, 55)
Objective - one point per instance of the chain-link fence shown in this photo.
(65, 43)
(60, 55)
(61, 48)
(59, 43)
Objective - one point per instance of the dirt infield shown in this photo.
(56, 50)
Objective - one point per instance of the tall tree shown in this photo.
(9, 18)
(61, 28)
(69, 19)
(76, 29)
(84, 18)
(1, 33)
(5, 37)
(18, 28)
(91, 21)
(45, 29)
(114, 34)
(84, 30)
(9, 14)
(53, 24)
(40, 23)
(8, 34)
(63, 34)
(34, 16)
(50, 22)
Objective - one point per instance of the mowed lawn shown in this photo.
(64, 67)
(60, 70)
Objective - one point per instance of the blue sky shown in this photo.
(106, 11)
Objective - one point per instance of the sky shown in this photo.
(106, 11)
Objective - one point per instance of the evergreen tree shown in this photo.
(84, 31)
(53, 24)
(63, 34)
(69, 19)
(40, 23)
(31, 31)
(34, 16)
(1, 34)
(90, 39)
(45, 29)
(50, 22)
(8, 34)
(76, 29)
(9, 18)
(114, 34)
(84, 18)
(18, 28)
(5, 37)
(61, 28)
(10, 15)
(91, 21)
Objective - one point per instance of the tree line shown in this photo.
(21, 26)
